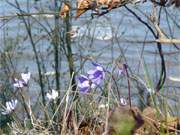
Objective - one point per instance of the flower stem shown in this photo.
(129, 88)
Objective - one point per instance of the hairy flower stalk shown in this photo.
(129, 87)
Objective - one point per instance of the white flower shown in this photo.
(101, 106)
(20, 83)
(26, 77)
(53, 95)
(123, 101)
(151, 91)
(10, 106)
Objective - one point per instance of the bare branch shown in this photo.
(168, 41)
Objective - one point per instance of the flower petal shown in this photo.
(82, 78)
(151, 91)
(84, 84)
(18, 84)
(123, 101)
(120, 72)
(90, 72)
(93, 85)
(54, 94)
(10, 106)
(95, 64)
(26, 77)
(4, 112)
(15, 103)
(49, 96)
(84, 90)
(99, 68)
(97, 74)
(97, 81)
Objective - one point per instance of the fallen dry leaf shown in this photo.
(64, 10)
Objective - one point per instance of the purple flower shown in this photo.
(121, 72)
(97, 74)
(20, 83)
(121, 69)
(93, 79)
(85, 84)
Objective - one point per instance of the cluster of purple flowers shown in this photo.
(87, 82)
(93, 79)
